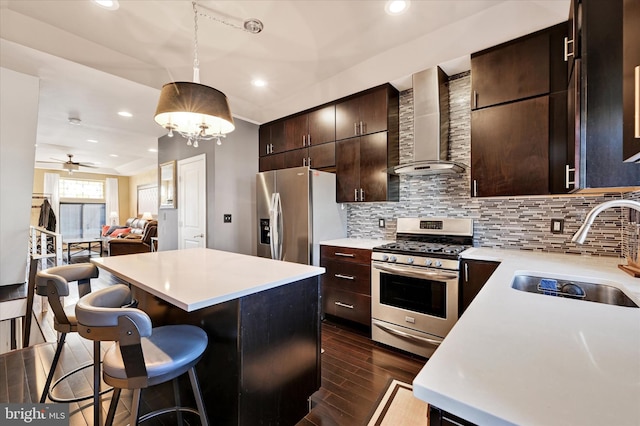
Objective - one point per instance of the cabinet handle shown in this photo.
(566, 49)
(475, 99)
(304, 140)
(637, 108)
(309, 161)
(568, 182)
(344, 254)
(475, 188)
(267, 147)
(466, 272)
(361, 194)
(309, 139)
(271, 150)
(344, 305)
(355, 194)
(304, 161)
(355, 129)
(344, 277)
(361, 128)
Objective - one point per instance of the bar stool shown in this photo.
(53, 283)
(143, 356)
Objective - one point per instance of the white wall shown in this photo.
(18, 125)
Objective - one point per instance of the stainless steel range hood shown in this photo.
(430, 126)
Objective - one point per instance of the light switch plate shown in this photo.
(557, 226)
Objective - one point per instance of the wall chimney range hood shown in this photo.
(431, 126)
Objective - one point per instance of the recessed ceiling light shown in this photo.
(113, 155)
(259, 82)
(108, 4)
(396, 7)
(152, 150)
(125, 114)
(92, 140)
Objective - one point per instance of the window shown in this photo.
(82, 208)
(81, 188)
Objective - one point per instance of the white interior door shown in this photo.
(192, 202)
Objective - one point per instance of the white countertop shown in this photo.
(197, 278)
(358, 243)
(529, 359)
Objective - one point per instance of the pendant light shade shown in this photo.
(196, 111)
(193, 109)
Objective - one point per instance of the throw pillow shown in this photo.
(111, 229)
(120, 231)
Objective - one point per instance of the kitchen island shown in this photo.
(529, 359)
(263, 321)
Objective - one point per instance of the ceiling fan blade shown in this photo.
(88, 165)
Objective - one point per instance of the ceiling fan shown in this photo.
(70, 165)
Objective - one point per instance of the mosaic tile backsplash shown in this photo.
(502, 222)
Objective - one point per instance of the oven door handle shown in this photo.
(406, 335)
(416, 273)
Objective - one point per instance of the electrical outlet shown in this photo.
(381, 223)
(557, 226)
(227, 218)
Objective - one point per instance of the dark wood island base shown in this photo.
(263, 359)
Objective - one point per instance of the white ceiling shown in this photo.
(93, 62)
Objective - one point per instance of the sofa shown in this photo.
(133, 237)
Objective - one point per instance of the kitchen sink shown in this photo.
(570, 289)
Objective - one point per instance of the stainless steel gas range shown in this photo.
(414, 283)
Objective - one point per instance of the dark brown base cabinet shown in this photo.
(474, 274)
(262, 362)
(346, 285)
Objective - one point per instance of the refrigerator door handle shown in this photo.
(273, 231)
(275, 217)
(279, 226)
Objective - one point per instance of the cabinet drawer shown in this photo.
(347, 276)
(345, 254)
(347, 305)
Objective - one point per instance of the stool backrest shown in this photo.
(101, 317)
(53, 283)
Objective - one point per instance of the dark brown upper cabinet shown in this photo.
(361, 169)
(312, 128)
(519, 117)
(271, 138)
(321, 157)
(366, 112)
(601, 108)
(510, 149)
(631, 80)
(512, 71)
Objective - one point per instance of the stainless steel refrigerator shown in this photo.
(296, 210)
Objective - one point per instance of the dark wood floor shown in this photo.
(355, 373)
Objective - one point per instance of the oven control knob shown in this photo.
(438, 264)
(385, 257)
(427, 262)
(410, 260)
(392, 259)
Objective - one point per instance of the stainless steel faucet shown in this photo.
(581, 235)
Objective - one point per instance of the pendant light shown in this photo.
(195, 111)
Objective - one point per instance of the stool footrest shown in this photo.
(54, 398)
